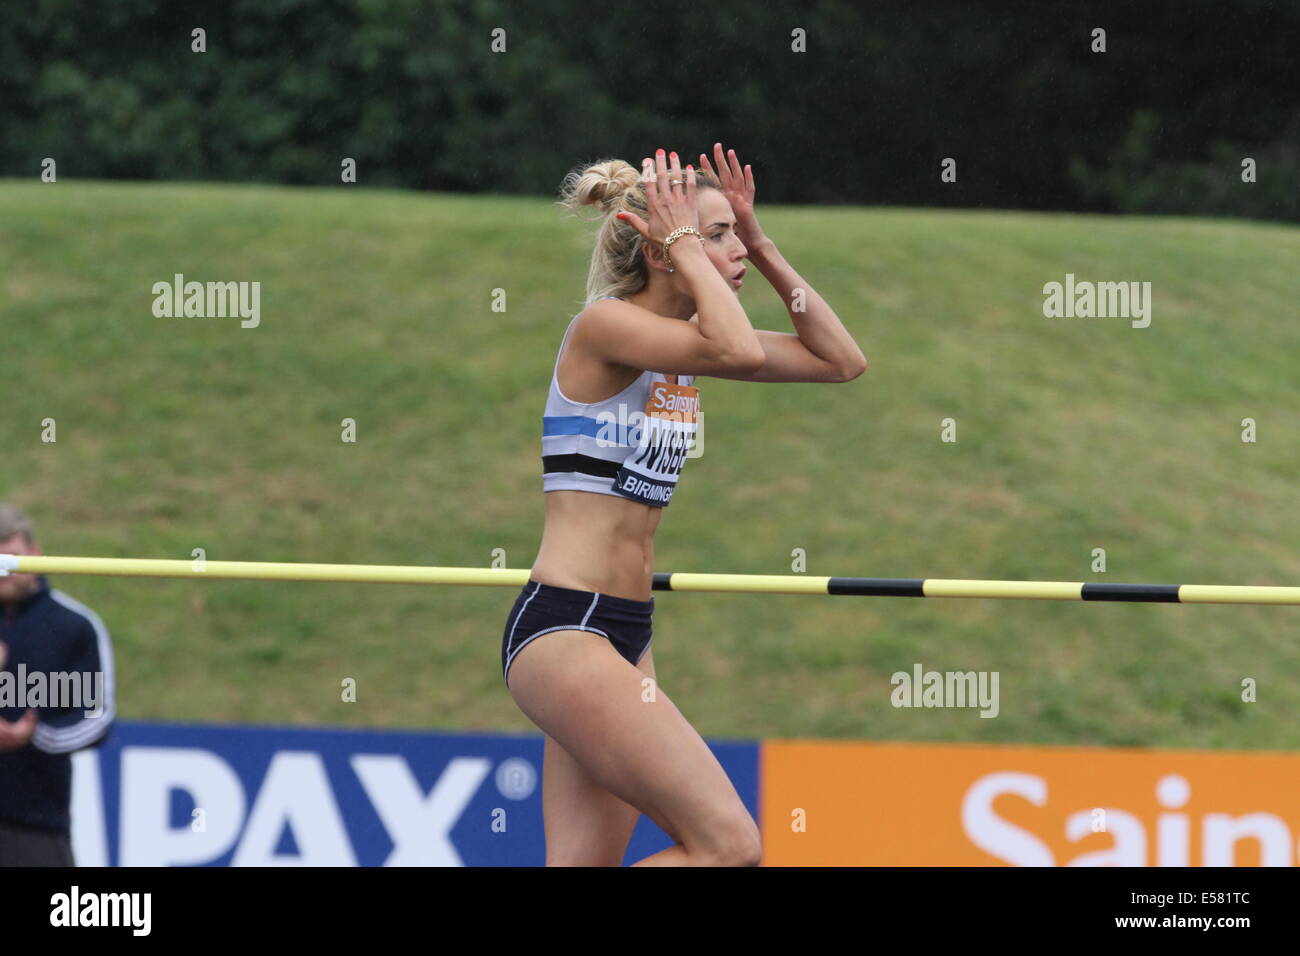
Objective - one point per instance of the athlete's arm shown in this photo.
(788, 360)
(626, 334)
(820, 349)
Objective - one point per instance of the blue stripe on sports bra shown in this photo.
(583, 425)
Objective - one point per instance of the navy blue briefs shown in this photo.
(542, 608)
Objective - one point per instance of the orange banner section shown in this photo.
(831, 803)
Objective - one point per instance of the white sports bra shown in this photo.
(631, 445)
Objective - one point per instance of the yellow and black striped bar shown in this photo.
(678, 581)
(960, 588)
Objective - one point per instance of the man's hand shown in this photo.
(15, 734)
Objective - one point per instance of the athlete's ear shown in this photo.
(654, 255)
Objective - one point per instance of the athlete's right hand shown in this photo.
(668, 207)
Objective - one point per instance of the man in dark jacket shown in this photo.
(56, 697)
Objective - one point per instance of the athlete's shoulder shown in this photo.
(595, 312)
(614, 306)
(619, 314)
(610, 319)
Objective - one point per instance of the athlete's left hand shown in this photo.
(738, 187)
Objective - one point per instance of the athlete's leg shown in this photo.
(586, 825)
(634, 742)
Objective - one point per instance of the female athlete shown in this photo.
(621, 419)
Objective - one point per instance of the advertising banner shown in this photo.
(168, 795)
(162, 795)
(844, 803)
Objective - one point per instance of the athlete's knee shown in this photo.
(746, 849)
(738, 843)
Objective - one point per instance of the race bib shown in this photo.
(669, 432)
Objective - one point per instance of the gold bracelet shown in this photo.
(673, 237)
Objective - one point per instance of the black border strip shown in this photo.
(877, 587)
(1158, 593)
(583, 464)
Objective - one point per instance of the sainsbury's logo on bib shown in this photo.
(674, 401)
(667, 403)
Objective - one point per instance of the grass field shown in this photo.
(1073, 434)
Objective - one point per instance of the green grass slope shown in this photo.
(1073, 434)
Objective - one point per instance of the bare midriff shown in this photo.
(594, 542)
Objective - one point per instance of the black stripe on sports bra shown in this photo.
(584, 464)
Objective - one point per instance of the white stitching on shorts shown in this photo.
(511, 638)
(532, 637)
(645, 649)
(590, 609)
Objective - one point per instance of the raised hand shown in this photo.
(738, 188)
(670, 199)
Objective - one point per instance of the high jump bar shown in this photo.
(665, 581)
